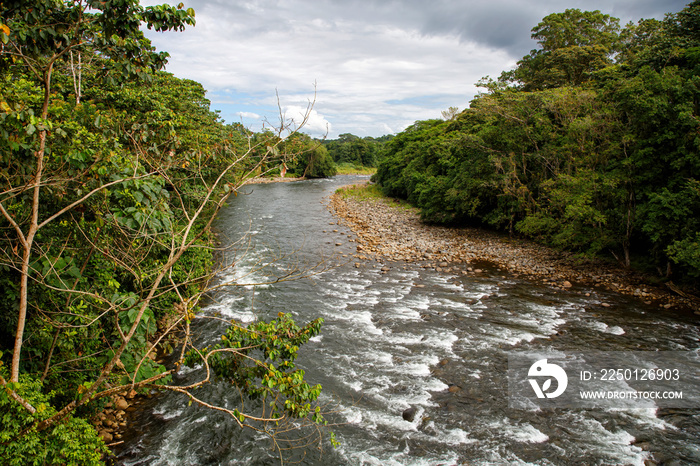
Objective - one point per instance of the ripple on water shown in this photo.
(384, 335)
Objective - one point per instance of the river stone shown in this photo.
(409, 414)
(121, 404)
(106, 436)
(567, 284)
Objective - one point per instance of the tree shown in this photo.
(450, 114)
(40, 35)
(106, 200)
(590, 144)
(573, 45)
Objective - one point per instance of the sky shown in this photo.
(365, 67)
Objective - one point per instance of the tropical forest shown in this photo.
(589, 144)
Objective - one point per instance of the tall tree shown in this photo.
(573, 44)
(42, 33)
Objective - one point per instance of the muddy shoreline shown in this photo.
(386, 232)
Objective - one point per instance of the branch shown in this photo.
(25, 404)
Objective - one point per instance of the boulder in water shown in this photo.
(409, 414)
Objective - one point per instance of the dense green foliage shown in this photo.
(111, 174)
(259, 359)
(351, 150)
(589, 144)
(313, 160)
(71, 442)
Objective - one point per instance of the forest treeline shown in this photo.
(112, 173)
(350, 151)
(589, 144)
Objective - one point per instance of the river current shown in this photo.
(399, 336)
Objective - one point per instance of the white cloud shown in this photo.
(309, 120)
(251, 115)
(379, 65)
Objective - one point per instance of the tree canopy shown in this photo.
(589, 144)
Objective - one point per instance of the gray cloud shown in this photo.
(378, 65)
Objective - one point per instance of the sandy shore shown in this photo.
(387, 232)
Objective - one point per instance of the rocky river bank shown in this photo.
(387, 232)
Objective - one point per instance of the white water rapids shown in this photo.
(415, 337)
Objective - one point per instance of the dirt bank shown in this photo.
(390, 233)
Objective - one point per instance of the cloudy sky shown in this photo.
(373, 66)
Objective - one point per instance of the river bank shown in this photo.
(413, 362)
(388, 232)
(276, 179)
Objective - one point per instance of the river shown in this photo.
(397, 336)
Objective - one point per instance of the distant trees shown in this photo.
(351, 149)
(312, 160)
(590, 144)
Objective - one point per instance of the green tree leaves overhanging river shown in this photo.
(112, 174)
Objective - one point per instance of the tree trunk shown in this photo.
(28, 240)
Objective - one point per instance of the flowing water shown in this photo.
(414, 337)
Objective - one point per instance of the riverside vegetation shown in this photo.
(590, 144)
(112, 174)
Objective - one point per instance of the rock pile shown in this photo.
(386, 232)
(112, 420)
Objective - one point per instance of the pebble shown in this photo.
(399, 235)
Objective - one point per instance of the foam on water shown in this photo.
(403, 312)
(525, 433)
(418, 302)
(370, 457)
(604, 328)
(618, 442)
(166, 412)
(362, 322)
